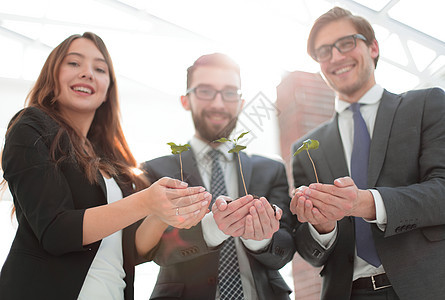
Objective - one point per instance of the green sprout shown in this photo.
(178, 149)
(236, 149)
(309, 144)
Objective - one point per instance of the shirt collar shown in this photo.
(372, 96)
(200, 148)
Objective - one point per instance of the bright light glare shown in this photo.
(392, 48)
(425, 15)
(28, 8)
(386, 73)
(11, 58)
(422, 55)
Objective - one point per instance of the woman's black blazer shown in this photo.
(47, 259)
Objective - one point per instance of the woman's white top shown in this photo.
(105, 278)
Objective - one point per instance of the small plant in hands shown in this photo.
(236, 149)
(307, 145)
(178, 149)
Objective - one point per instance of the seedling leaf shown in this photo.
(242, 135)
(222, 140)
(236, 149)
(309, 145)
(178, 149)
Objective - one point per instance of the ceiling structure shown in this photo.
(152, 42)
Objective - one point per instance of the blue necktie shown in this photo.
(359, 173)
(230, 286)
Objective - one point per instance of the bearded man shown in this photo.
(252, 233)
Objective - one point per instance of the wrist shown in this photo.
(325, 227)
(141, 201)
(213, 236)
(368, 205)
(156, 220)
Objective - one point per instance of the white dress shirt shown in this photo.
(105, 278)
(346, 128)
(212, 234)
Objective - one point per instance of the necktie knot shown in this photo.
(214, 154)
(355, 107)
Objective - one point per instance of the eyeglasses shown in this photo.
(208, 93)
(343, 45)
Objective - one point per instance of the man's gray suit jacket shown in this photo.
(189, 268)
(407, 167)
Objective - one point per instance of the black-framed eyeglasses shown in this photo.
(343, 45)
(208, 93)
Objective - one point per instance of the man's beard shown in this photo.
(209, 134)
(363, 77)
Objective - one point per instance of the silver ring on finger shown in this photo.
(177, 211)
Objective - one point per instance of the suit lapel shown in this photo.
(247, 172)
(127, 188)
(102, 185)
(333, 151)
(190, 169)
(380, 137)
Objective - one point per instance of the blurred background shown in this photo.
(153, 42)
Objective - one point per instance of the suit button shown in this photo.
(403, 228)
(277, 250)
(414, 226)
(397, 229)
(316, 253)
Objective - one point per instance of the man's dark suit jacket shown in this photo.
(188, 268)
(407, 167)
(47, 259)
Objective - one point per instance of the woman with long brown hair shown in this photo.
(83, 212)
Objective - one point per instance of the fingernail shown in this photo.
(184, 183)
(202, 189)
(196, 212)
(204, 203)
(307, 192)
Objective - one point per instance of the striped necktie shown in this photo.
(230, 286)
